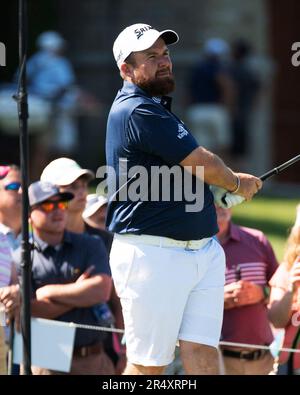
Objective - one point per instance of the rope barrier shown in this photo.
(116, 330)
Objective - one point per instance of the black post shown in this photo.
(25, 262)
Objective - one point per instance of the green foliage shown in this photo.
(273, 216)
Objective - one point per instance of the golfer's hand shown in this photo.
(249, 185)
(225, 199)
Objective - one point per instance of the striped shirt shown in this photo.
(249, 257)
(5, 262)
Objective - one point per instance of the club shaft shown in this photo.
(280, 168)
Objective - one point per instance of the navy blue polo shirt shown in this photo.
(64, 265)
(142, 131)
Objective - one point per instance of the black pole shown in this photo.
(25, 247)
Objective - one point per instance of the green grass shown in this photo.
(273, 216)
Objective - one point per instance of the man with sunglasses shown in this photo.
(69, 176)
(10, 204)
(70, 274)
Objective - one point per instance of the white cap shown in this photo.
(216, 46)
(64, 171)
(139, 37)
(93, 203)
(51, 41)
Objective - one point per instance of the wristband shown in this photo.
(238, 184)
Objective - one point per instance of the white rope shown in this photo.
(116, 330)
(260, 347)
(95, 328)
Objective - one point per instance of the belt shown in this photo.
(88, 350)
(160, 241)
(249, 355)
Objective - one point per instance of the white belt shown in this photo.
(163, 241)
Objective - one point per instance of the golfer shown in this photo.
(167, 266)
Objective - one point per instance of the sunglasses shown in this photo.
(48, 207)
(13, 186)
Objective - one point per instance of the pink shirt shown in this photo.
(250, 257)
(5, 262)
(281, 280)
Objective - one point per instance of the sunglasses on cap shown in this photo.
(48, 207)
(13, 186)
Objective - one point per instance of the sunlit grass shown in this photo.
(274, 216)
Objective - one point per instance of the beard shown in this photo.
(157, 86)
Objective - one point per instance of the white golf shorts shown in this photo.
(167, 294)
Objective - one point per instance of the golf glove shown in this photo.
(225, 199)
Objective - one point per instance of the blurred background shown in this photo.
(267, 29)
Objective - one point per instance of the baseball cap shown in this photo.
(40, 191)
(139, 37)
(93, 203)
(64, 171)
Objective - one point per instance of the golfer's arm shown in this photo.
(215, 170)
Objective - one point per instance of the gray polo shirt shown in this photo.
(63, 265)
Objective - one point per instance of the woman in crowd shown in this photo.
(285, 301)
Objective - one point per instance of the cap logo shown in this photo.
(142, 30)
(119, 56)
(47, 187)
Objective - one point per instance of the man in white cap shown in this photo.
(95, 210)
(70, 177)
(167, 267)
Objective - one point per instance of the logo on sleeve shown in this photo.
(181, 132)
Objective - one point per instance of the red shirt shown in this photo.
(249, 256)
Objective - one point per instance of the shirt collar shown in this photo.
(43, 245)
(234, 232)
(129, 88)
(5, 229)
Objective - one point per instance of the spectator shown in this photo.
(94, 215)
(247, 87)
(9, 296)
(285, 301)
(10, 204)
(95, 211)
(70, 275)
(250, 263)
(211, 96)
(51, 77)
(70, 177)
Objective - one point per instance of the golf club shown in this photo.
(275, 170)
(280, 168)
